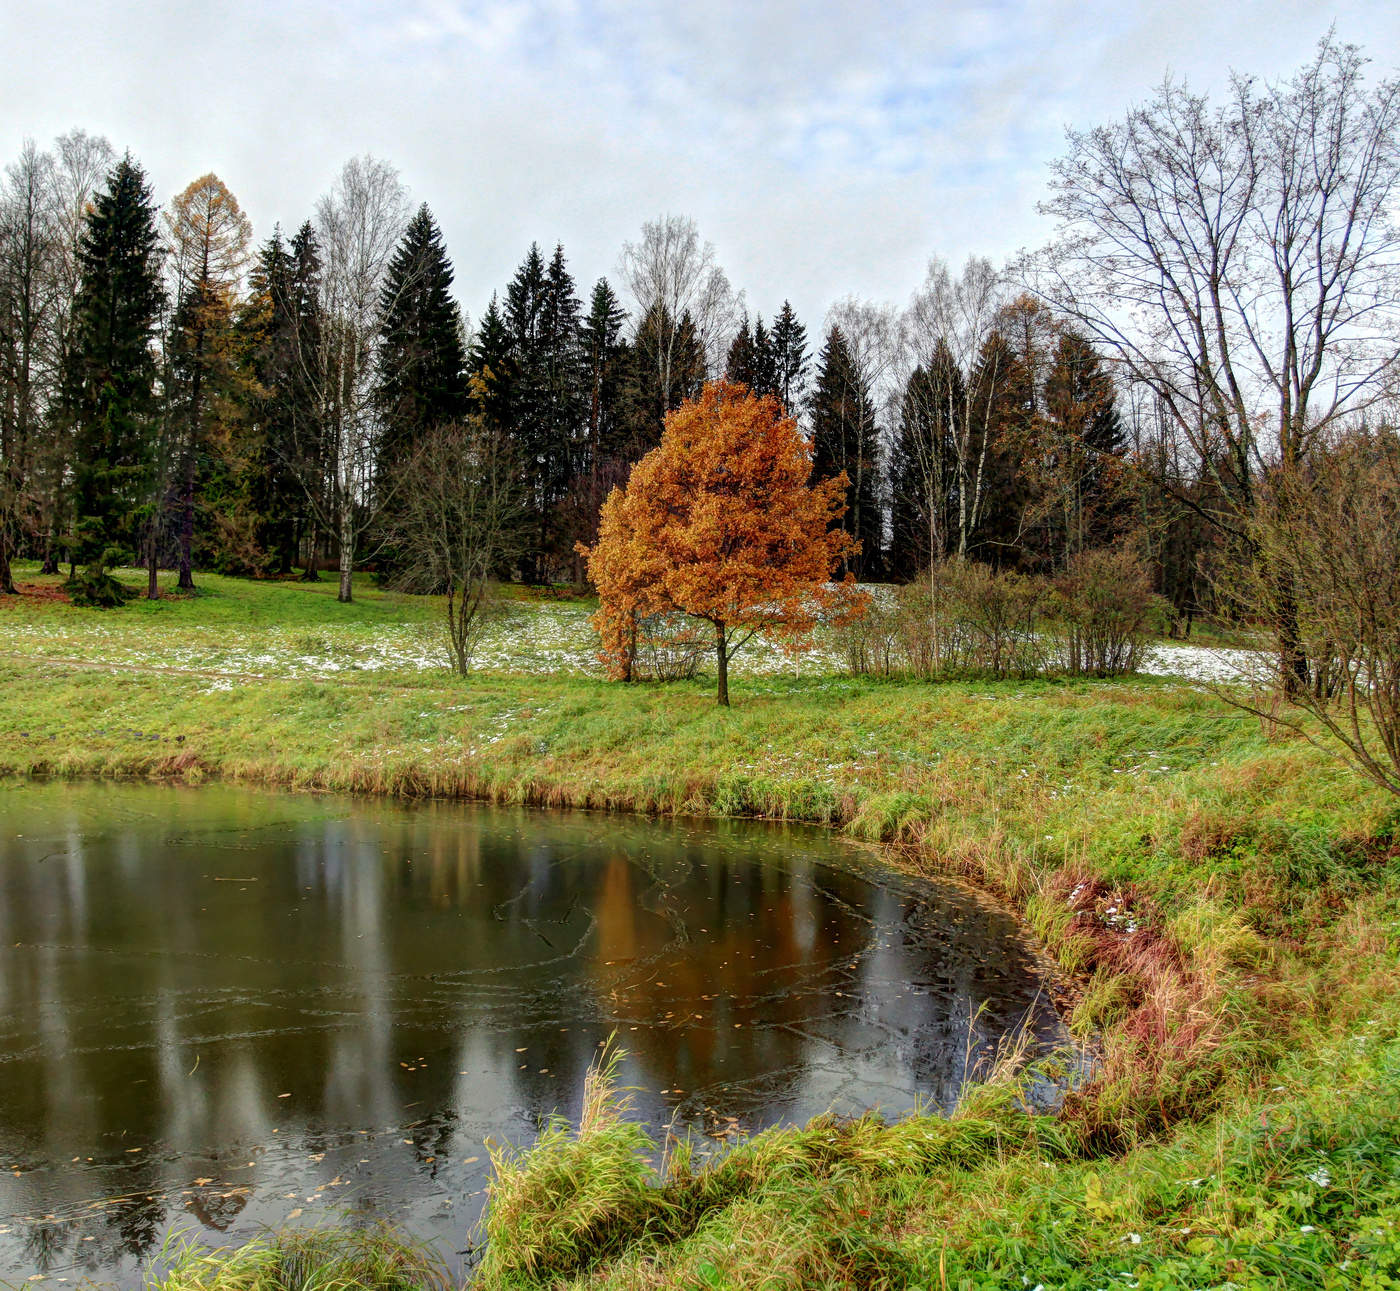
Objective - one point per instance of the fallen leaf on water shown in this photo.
(200, 1183)
(288, 1095)
(470, 1160)
(294, 1214)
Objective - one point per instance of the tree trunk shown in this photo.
(722, 664)
(312, 573)
(152, 590)
(186, 579)
(7, 578)
(347, 551)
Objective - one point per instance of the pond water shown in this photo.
(222, 1009)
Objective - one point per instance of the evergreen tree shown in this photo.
(844, 438)
(765, 361)
(645, 404)
(923, 465)
(491, 362)
(286, 451)
(110, 385)
(564, 387)
(604, 356)
(422, 376)
(1081, 445)
(790, 362)
(739, 363)
(547, 394)
(992, 487)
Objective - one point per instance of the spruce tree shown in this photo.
(564, 389)
(603, 361)
(992, 489)
(790, 361)
(739, 363)
(491, 363)
(923, 465)
(844, 438)
(644, 400)
(111, 378)
(1081, 449)
(765, 361)
(422, 378)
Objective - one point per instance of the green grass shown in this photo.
(1224, 905)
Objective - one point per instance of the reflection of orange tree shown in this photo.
(715, 1002)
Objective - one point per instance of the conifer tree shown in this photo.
(112, 370)
(844, 439)
(286, 447)
(604, 354)
(1081, 446)
(645, 398)
(207, 238)
(564, 390)
(492, 364)
(923, 465)
(765, 363)
(547, 390)
(790, 360)
(422, 365)
(738, 364)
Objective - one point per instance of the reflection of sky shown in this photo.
(311, 1004)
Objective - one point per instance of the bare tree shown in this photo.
(1242, 262)
(961, 312)
(359, 223)
(81, 164)
(672, 272)
(27, 249)
(461, 519)
(871, 332)
(1329, 530)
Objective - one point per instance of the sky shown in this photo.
(825, 149)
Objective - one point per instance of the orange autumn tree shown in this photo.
(719, 522)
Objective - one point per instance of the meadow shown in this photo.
(1222, 899)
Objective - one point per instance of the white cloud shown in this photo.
(824, 150)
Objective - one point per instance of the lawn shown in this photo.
(1223, 901)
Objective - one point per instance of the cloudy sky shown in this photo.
(824, 149)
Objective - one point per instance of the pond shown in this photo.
(222, 1009)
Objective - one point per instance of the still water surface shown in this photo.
(222, 1009)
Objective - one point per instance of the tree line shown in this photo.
(177, 397)
(1220, 298)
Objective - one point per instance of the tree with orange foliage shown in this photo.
(719, 522)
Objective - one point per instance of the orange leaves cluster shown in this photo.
(719, 522)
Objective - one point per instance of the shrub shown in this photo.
(1109, 611)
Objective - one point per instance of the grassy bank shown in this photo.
(1226, 902)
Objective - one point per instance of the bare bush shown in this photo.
(459, 522)
(1328, 537)
(1108, 611)
(669, 647)
(959, 619)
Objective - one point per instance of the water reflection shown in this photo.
(222, 1008)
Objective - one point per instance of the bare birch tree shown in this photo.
(27, 249)
(1242, 262)
(359, 223)
(671, 271)
(961, 313)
